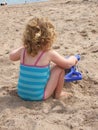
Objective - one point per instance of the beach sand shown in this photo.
(76, 22)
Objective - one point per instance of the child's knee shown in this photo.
(59, 69)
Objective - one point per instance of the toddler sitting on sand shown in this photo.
(37, 81)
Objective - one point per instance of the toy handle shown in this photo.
(78, 57)
(73, 73)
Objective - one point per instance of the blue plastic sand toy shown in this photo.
(73, 74)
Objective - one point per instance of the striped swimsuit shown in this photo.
(32, 80)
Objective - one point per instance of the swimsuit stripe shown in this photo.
(29, 97)
(32, 79)
(34, 68)
(31, 89)
(34, 73)
(29, 92)
(29, 86)
(34, 76)
(31, 82)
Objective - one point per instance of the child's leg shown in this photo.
(55, 83)
(60, 84)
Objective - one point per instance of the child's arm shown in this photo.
(15, 55)
(61, 61)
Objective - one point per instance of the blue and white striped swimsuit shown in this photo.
(32, 81)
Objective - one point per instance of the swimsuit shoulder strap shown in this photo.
(38, 58)
(23, 56)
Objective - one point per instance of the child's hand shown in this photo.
(77, 58)
(73, 60)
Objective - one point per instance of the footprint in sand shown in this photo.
(84, 34)
(8, 90)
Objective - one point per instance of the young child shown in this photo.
(37, 81)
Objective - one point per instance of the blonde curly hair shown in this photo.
(39, 35)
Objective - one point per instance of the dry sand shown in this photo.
(77, 25)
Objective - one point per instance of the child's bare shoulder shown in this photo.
(51, 52)
(22, 49)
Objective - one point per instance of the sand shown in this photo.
(77, 24)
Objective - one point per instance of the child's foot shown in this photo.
(63, 95)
